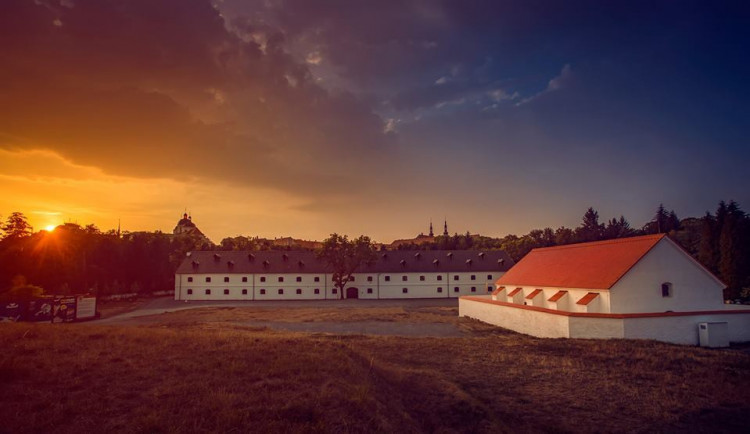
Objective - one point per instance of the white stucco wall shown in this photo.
(595, 328)
(684, 329)
(526, 321)
(693, 289)
(677, 329)
(567, 303)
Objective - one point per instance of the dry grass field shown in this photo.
(198, 371)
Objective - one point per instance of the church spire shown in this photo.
(432, 234)
(445, 228)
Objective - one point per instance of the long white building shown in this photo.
(300, 275)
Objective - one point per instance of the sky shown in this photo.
(305, 117)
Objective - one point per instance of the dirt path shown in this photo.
(381, 328)
(415, 318)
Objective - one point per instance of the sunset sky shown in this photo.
(304, 117)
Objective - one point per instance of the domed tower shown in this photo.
(186, 228)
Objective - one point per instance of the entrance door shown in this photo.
(352, 293)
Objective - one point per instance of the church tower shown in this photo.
(445, 228)
(432, 234)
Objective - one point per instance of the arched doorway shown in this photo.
(352, 293)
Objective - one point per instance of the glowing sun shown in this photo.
(50, 228)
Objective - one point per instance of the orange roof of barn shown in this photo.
(533, 293)
(558, 295)
(586, 299)
(595, 265)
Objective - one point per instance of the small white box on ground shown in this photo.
(713, 334)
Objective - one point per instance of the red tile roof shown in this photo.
(595, 265)
(586, 299)
(514, 292)
(558, 295)
(498, 290)
(533, 293)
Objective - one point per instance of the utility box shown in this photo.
(713, 334)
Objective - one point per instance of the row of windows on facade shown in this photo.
(333, 291)
(351, 279)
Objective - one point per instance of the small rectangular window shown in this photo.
(440, 289)
(263, 292)
(404, 290)
(317, 290)
(281, 279)
(369, 278)
(666, 289)
(440, 278)
(421, 278)
(263, 279)
(190, 279)
(404, 278)
(455, 289)
(226, 279)
(473, 289)
(334, 291)
(244, 279)
(473, 277)
(299, 290)
(489, 277)
(226, 292)
(244, 292)
(387, 278)
(208, 292)
(317, 279)
(299, 279)
(455, 277)
(369, 290)
(281, 291)
(351, 278)
(190, 291)
(208, 279)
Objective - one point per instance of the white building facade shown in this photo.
(641, 287)
(299, 275)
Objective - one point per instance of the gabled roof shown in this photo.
(533, 293)
(595, 265)
(558, 295)
(498, 290)
(514, 292)
(588, 298)
(399, 261)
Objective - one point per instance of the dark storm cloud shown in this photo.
(297, 94)
(162, 88)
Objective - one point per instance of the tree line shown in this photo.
(75, 259)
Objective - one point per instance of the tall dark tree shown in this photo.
(731, 249)
(16, 226)
(618, 228)
(708, 253)
(564, 236)
(590, 229)
(663, 222)
(345, 256)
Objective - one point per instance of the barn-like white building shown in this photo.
(300, 275)
(640, 287)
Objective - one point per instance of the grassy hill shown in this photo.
(178, 376)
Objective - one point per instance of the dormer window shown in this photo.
(666, 289)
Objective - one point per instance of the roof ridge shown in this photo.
(603, 242)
